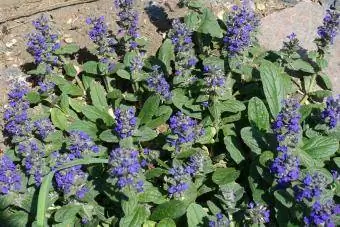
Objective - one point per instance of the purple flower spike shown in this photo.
(10, 178)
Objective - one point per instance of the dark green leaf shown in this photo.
(59, 119)
(98, 95)
(166, 222)
(145, 134)
(149, 109)
(232, 106)
(265, 157)
(162, 115)
(91, 67)
(321, 147)
(302, 65)
(151, 194)
(93, 113)
(85, 126)
(108, 136)
(225, 175)
(33, 97)
(43, 200)
(258, 114)
(209, 24)
(166, 54)
(67, 212)
(123, 74)
(137, 218)
(67, 49)
(234, 152)
(273, 86)
(70, 70)
(172, 209)
(195, 215)
(253, 139)
(77, 104)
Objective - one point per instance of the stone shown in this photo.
(303, 19)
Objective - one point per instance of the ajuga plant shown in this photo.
(212, 131)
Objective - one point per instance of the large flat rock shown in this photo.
(303, 19)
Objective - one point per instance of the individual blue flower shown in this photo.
(126, 168)
(323, 214)
(10, 178)
(158, 83)
(185, 59)
(287, 125)
(33, 159)
(240, 24)
(286, 168)
(328, 31)
(81, 144)
(16, 119)
(43, 43)
(184, 128)
(126, 121)
(331, 114)
(43, 127)
(312, 187)
(215, 80)
(257, 214)
(71, 181)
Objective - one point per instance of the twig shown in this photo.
(46, 9)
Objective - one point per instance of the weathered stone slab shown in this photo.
(303, 19)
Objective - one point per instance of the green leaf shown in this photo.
(64, 103)
(150, 107)
(70, 70)
(17, 219)
(151, 194)
(108, 136)
(77, 104)
(137, 218)
(59, 119)
(162, 115)
(71, 89)
(192, 20)
(166, 54)
(6, 200)
(209, 24)
(166, 222)
(33, 97)
(91, 67)
(337, 161)
(253, 139)
(98, 95)
(320, 94)
(265, 157)
(67, 212)
(144, 134)
(67, 49)
(284, 197)
(172, 209)
(321, 147)
(232, 106)
(258, 114)
(123, 74)
(93, 113)
(234, 152)
(302, 65)
(43, 200)
(307, 160)
(273, 86)
(85, 126)
(225, 175)
(195, 215)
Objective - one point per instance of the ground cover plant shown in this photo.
(212, 131)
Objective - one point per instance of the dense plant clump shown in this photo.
(212, 131)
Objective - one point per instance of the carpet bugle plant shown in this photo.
(213, 130)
